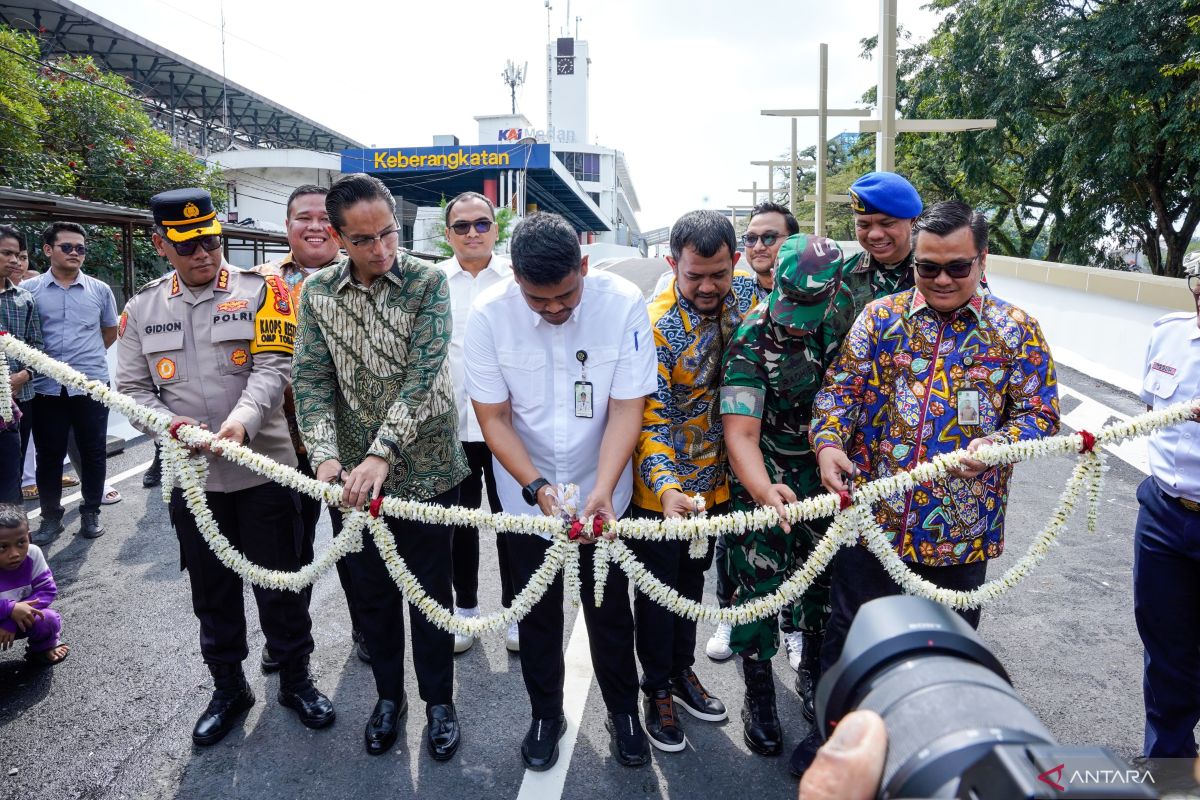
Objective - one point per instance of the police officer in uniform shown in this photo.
(1166, 554)
(212, 345)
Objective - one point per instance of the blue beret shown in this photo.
(885, 193)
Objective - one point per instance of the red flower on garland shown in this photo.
(376, 504)
(576, 530)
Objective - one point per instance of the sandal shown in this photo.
(29, 492)
(111, 496)
(69, 480)
(47, 658)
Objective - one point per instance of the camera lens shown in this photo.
(945, 699)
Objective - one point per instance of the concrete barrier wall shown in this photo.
(1132, 287)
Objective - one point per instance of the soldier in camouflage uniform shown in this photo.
(773, 371)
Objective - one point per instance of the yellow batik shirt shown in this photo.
(682, 444)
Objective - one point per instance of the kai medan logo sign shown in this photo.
(454, 159)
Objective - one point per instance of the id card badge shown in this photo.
(583, 399)
(968, 407)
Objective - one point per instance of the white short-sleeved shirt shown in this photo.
(1172, 375)
(513, 354)
(464, 288)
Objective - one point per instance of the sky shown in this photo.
(677, 85)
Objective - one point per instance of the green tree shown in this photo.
(1098, 137)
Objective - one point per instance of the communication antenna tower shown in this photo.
(513, 77)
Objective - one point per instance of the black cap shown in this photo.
(185, 213)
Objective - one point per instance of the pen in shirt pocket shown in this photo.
(635, 343)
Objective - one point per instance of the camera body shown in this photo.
(956, 727)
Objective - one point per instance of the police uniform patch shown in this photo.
(232, 305)
(121, 324)
(239, 356)
(190, 210)
(174, 284)
(223, 279)
(1158, 366)
(165, 368)
(275, 323)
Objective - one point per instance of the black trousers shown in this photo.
(666, 642)
(379, 607)
(466, 539)
(857, 577)
(262, 523)
(54, 416)
(26, 407)
(610, 631)
(11, 465)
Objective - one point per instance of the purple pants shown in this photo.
(42, 635)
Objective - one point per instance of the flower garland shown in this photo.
(189, 474)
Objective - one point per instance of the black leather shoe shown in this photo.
(296, 691)
(380, 734)
(360, 647)
(89, 525)
(540, 748)
(805, 752)
(231, 699)
(695, 699)
(809, 673)
(660, 723)
(269, 664)
(153, 475)
(761, 729)
(48, 530)
(629, 746)
(444, 734)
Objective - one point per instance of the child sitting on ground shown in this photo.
(26, 591)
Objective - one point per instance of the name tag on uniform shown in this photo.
(583, 399)
(968, 407)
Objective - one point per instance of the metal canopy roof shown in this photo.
(189, 95)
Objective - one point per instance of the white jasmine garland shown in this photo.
(189, 474)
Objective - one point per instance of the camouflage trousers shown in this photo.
(759, 561)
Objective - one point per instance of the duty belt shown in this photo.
(1190, 505)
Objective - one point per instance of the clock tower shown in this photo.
(567, 91)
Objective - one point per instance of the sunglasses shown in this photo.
(209, 243)
(768, 239)
(480, 226)
(955, 269)
(77, 249)
(1194, 283)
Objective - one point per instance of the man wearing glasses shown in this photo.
(375, 402)
(1166, 539)
(770, 224)
(79, 322)
(941, 367)
(212, 347)
(471, 232)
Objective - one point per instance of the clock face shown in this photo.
(566, 65)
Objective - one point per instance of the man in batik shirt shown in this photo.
(942, 367)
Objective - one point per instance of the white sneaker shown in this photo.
(512, 639)
(794, 643)
(718, 646)
(463, 643)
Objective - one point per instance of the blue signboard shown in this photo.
(447, 159)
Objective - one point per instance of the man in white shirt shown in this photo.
(539, 352)
(471, 231)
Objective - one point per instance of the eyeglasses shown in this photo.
(369, 241)
(480, 226)
(1194, 283)
(209, 243)
(77, 249)
(955, 269)
(768, 239)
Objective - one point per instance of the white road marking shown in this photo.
(549, 785)
(1091, 415)
(114, 480)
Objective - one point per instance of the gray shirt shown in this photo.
(72, 318)
(214, 355)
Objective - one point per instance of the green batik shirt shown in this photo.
(371, 377)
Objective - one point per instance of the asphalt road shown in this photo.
(113, 721)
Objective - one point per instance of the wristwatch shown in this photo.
(530, 491)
